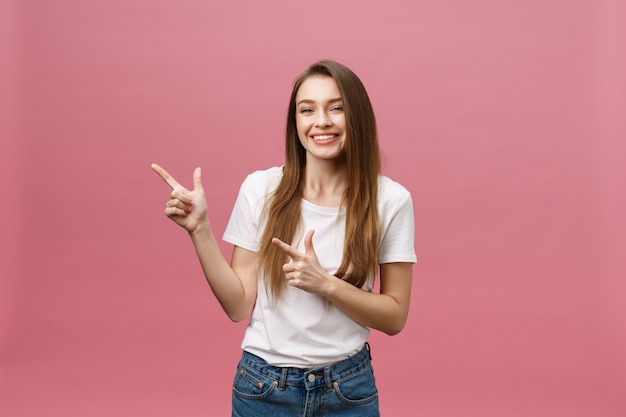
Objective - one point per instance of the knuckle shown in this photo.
(177, 193)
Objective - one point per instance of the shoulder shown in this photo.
(390, 191)
(265, 175)
(263, 180)
(397, 220)
(255, 190)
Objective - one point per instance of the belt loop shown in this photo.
(327, 381)
(283, 379)
(369, 350)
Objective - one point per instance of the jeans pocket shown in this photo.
(252, 385)
(358, 388)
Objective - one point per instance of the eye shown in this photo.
(336, 108)
(306, 110)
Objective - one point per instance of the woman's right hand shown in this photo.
(186, 208)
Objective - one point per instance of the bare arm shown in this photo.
(386, 311)
(234, 285)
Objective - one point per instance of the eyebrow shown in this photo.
(332, 100)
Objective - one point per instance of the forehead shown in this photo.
(318, 88)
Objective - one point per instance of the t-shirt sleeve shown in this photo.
(243, 226)
(398, 244)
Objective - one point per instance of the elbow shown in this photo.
(235, 318)
(392, 331)
(238, 316)
(394, 327)
(237, 312)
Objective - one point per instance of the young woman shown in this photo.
(309, 239)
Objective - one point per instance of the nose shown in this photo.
(322, 119)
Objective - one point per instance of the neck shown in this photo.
(325, 182)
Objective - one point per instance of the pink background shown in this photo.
(504, 119)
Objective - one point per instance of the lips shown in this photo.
(325, 138)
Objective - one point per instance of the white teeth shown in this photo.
(323, 137)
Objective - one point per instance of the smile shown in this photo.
(323, 137)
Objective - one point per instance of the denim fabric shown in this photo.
(344, 389)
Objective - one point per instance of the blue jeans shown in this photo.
(345, 388)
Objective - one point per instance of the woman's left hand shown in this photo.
(304, 270)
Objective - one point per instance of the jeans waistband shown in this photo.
(312, 378)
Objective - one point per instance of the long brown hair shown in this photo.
(363, 234)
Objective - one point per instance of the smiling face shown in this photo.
(320, 119)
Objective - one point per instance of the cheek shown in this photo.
(299, 130)
(340, 121)
(301, 126)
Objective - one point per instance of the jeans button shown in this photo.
(311, 378)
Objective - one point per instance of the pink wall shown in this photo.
(504, 119)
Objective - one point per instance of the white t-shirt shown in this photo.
(301, 329)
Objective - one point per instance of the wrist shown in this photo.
(331, 287)
(202, 229)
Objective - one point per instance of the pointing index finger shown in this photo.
(165, 176)
(288, 249)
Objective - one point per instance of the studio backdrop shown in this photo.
(505, 120)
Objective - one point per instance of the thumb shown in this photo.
(308, 243)
(197, 179)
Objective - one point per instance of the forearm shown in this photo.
(386, 311)
(378, 311)
(226, 284)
